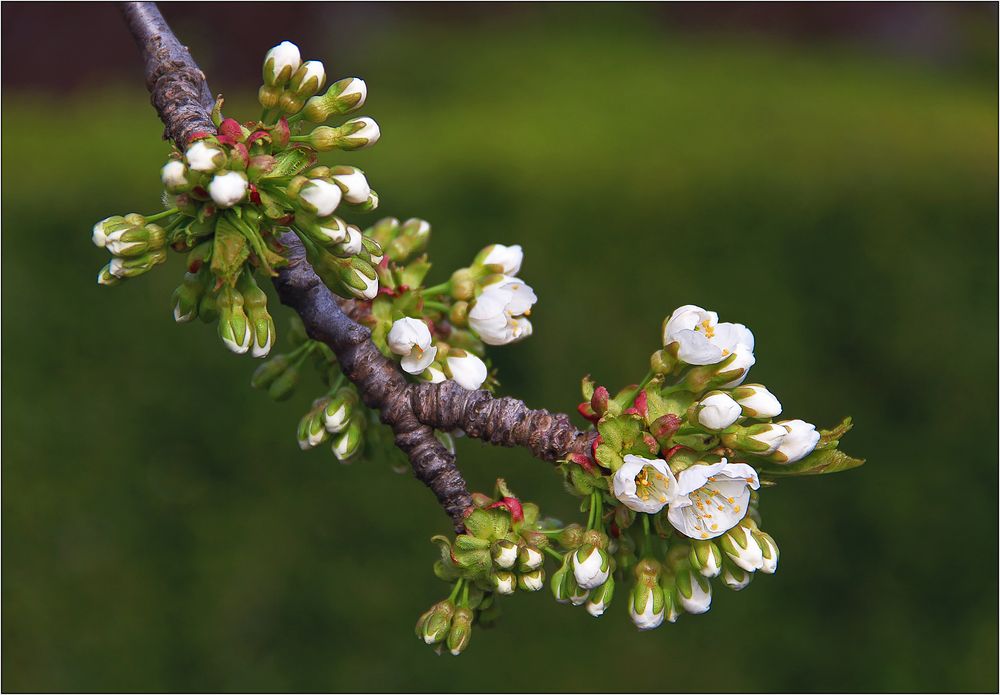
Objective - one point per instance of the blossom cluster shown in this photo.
(231, 194)
(671, 486)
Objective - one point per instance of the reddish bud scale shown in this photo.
(258, 135)
(598, 440)
(512, 505)
(199, 191)
(615, 531)
(225, 140)
(599, 401)
(199, 135)
(665, 426)
(195, 265)
(254, 194)
(285, 221)
(669, 453)
(280, 133)
(587, 412)
(584, 462)
(633, 411)
(230, 128)
(641, 403)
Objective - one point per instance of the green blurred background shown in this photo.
(826, 174)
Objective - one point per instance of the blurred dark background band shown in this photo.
(825, 174)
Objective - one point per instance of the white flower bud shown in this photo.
(364, 128)
(353, 183)
(769, 550)
(757, 401)
(694, 592)
(590, 567)
(735, 578)
(228, 189)
(742, 550)
(509, 258)
(504, 554)
(771, 436)
(800, 441)
(204, 157)
(352, 245)
(411, 338)
(718, 411)
(467, 370)
(333, 229)
(370, 289)
(280, 63)
(504, 583)
(532, 581)
(320, 197)
(174, 175)
(531, 559)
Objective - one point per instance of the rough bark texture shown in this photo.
(181, 97)
(177, 87)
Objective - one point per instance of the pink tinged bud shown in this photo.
(239, 156)
(599, 401)
(665, 426)
(232, 129)
(281, 133)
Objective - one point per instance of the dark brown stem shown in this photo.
(181, 97)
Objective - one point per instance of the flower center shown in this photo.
(646, 484)
(707, 328)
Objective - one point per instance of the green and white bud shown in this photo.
(308, 79)
(342, 97)
(234, 328)
(269, 371)
(135, 241)
(355, 134)
(460, 632)
(337, 413)
(360, 279)
(328, 231)
(133, 267)
(352, 245)
(175, 177)
(348, 443)
(530, 558)
(532, 581)
(504, 553)
(769, 550)
(188, 296)
(280, 63)
(353, 183)
(693, 591)
(504, 582)
(311, 432)
(762, 439)
(706, 558)
(646, 605)
(204, 157)
(600, 598)
(591, 566)
(742, 549)
(433, 626)
(319, 197)
(734, 577)
(411, 240)
(800, 441)
(757, 401)
(374, 251)
(717, 411)
(227, 189)
(104, 277)
(116, 223)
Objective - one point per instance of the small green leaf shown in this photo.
(229, 253)
(828, 439)
(819, 462)
(413, 274)
(289, 163)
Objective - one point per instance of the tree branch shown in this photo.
(180, 94)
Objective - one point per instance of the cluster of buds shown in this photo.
(135, 242)
(502, 551)
(232, 193)
(338, 416)
(441, 332)
(671, 485)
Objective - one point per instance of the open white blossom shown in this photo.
(499, 315)
(644, 485)
(701, 339)
(711, 498)
(509, 258)
(718, 411)
(467, 370)
(227, 189)
(802, 438)
(411, 338)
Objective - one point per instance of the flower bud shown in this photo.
(311, 432)
(532, 581)
(228, 189)
(352, 183)
(571, 537)
(742, 549)
(373, 250)
(600, 598)
(504, 553)
(355, 134)
(433, 625)
(529, 559)
(560, 582)
(280, 63)
(133, 267)
(460, 632)
(769, 551)
(693, 591)
(319, 197)
(268, 97)
(762, 439)
(104, 277)
(757, 401)
(360, 279)
(284, 385)
(800, 441)
(352, 244)
(234, 328)
(337, 413)
(467, 370)
(136, 241)
(504, 582)
(204, 157)
(717, 411)
(734, 577)
(706, 558)
(498, 258)
(348, 443)
(116, 223)
(269, 371)
(187, 296)
(342, 97)
(646, 604)
(591, 566)
(175, 177)
(261, 324)
(307, 80)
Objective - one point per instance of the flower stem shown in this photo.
(443, 288)
(465, 596)
(438, 306)
(295, 117)
(456, 589)
(647, 538)
(555, 553)
(161, 215)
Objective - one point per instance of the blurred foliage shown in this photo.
(163, 532)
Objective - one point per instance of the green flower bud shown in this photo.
(384, 231)
(503, 582)
(104, 277)
(504, 553)
(338, 412)
(532, 581)
(356, 134)
(284, 385)
(359, 278)
(342, 97)
(269, 371)
(571, 537)
(434, 625)
(693, 591)
(234, 328)
(307, 80)
(123, 268)
(188, 296)
(706, 558)
(411, 241)
(260, 322)
(460, 632)
(560, 583)
(735, 577)
(311, 432)
(529, 558)
(600, 598)
(348, 443)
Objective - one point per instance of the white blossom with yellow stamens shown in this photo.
(644, 485)
(499, 315)
(711, 498)
(701, 339)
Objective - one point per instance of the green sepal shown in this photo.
(829, 439)
(413, 273)
(290, 162)
(619, 433)
(587, 386)
(488, 523)
(608, 457)
(229, 252)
